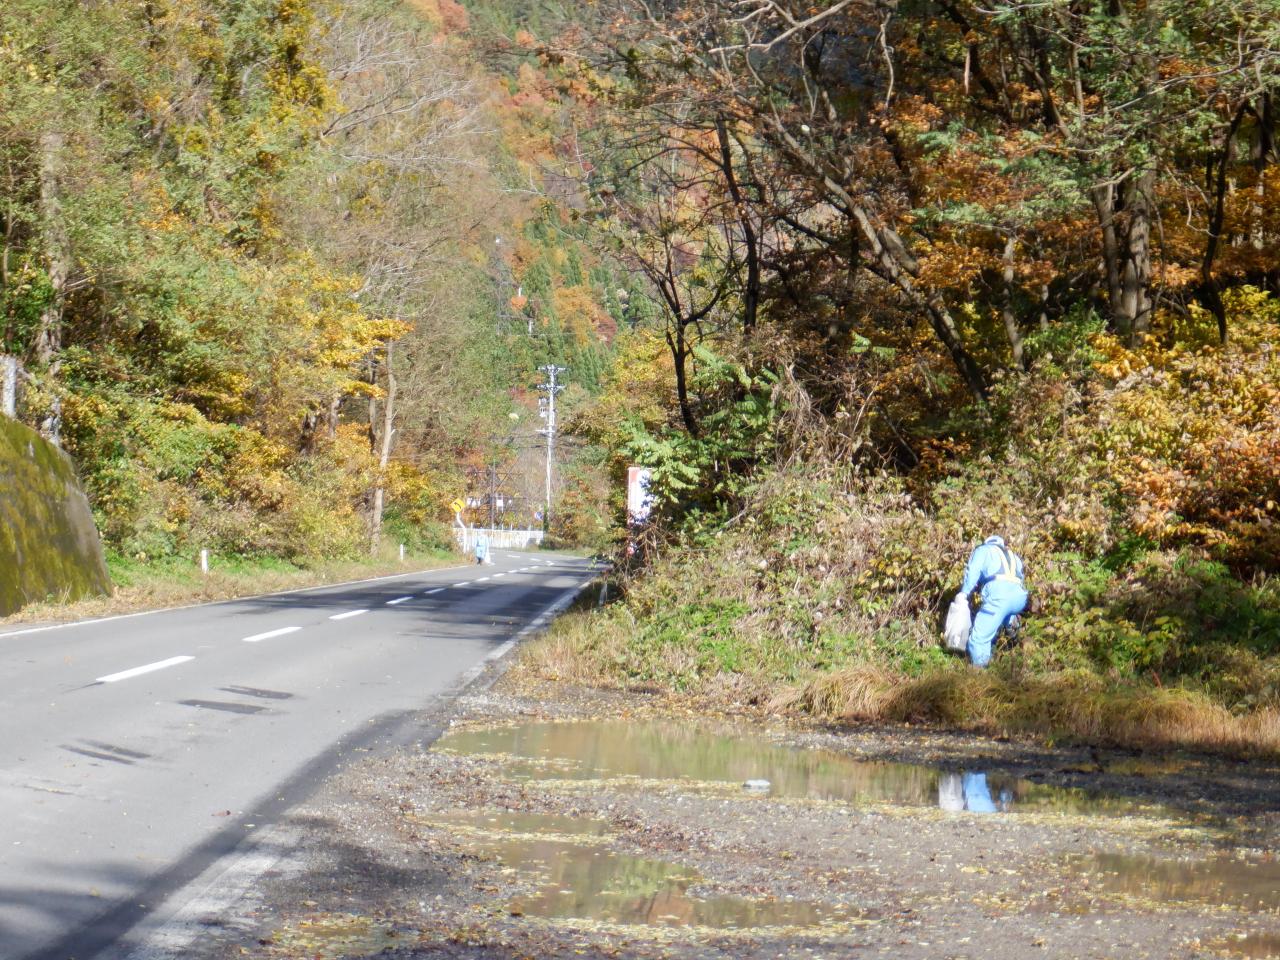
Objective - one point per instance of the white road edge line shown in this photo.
(537, 623)
(269, 634)
(349, 613)
(164, 935)
(138, 671)
(392, 603)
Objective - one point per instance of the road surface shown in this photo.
(138, 751)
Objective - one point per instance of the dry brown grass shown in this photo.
(559, 654)
(1069, 706)
(1079, 707)
(163, 591)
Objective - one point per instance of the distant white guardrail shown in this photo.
(500, 538)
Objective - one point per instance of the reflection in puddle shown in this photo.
(337, 936)
(668, 751)
(537, 823)
(1245, 884)
(585, 881)
(1250, 945)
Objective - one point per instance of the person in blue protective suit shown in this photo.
(997, 571)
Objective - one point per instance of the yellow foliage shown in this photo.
(1193, 430)
(579, 312)
(640, 389)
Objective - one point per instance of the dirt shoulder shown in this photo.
(432, 853)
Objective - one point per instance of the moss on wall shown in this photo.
(49, 546)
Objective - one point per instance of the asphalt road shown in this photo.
(137, 751)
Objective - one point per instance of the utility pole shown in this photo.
(547, 410)
(493, 495)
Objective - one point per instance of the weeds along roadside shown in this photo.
(1138, 485)
(1148, 656)
(715, 650)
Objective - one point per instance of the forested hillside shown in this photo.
(932, 272)
(261, 263)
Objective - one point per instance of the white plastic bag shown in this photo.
(955, 634)
(951, 792)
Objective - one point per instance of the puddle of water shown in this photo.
(669, 751)
(587, 881)
(1252, 885)
(535, 823)
(338, 936)
(1249, 945)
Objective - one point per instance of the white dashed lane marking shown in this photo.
(139, 671)
(392, 603)
(269, 634)
(349, 613)
(436, 590)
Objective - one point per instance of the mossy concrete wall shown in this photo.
(49, 545)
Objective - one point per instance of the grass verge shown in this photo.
(177, 581)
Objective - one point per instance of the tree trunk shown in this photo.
(1104, 206)
(944, 327)
(388, 430)
(335, 407)
(1007, 313)
(1126, 259)
(751, 291)
(901, 268)
(1137, 305)
(48, 343)
(679, 355)
(1208, 292)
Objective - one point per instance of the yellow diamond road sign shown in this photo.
(457, 506)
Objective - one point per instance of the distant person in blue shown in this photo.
(482, 548)
(997, 571)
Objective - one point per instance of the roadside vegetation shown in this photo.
(1014, 274)
(261, 266)
(1138, 483)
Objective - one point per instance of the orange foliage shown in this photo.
(1195, 435)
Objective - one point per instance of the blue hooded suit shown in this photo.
(997, 571)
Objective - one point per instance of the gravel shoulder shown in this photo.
(379, 869)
